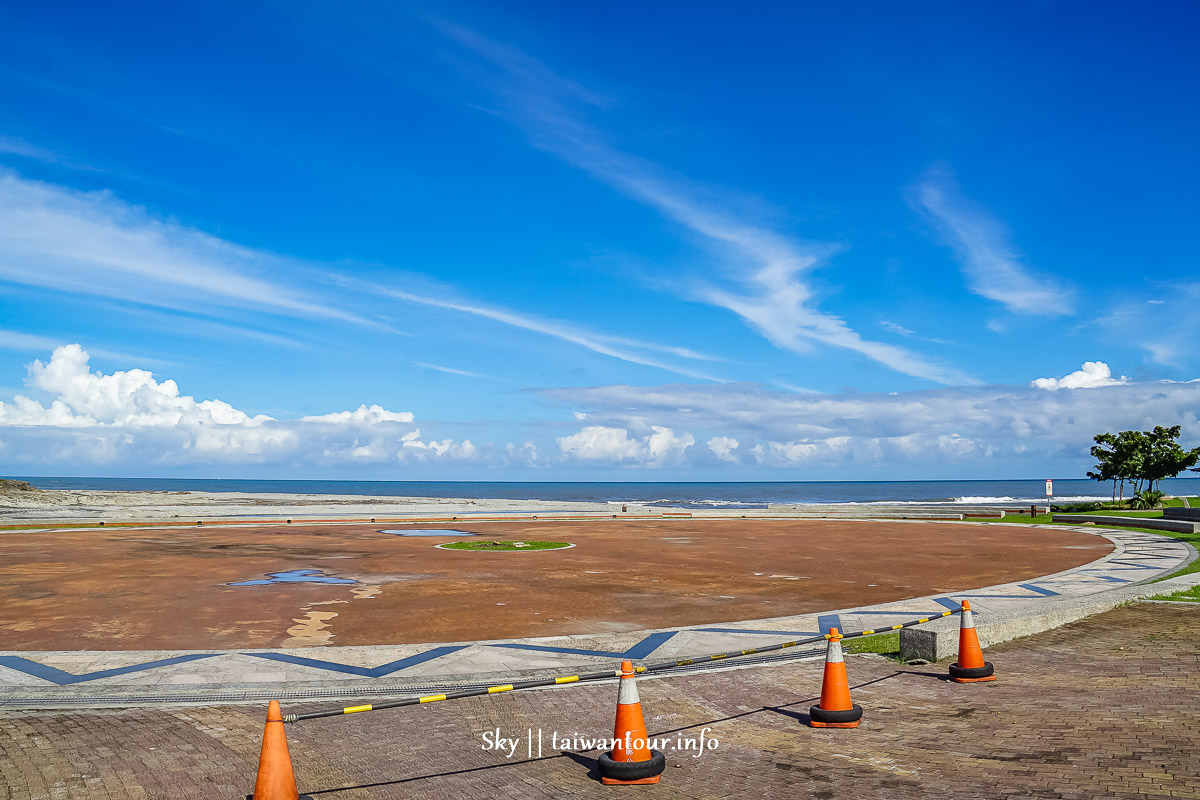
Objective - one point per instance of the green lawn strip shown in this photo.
(887, 644)
(1191, 595)
(504, 546)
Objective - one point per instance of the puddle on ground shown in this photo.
(426, 532)
(294, 576)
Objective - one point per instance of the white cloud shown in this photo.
(600, 443)
(523, 456)
(19, 147)
(597, 343)
(779, 307)
(991, 265)
(1092, 375)
(94, 243)
(873, 431)
(663, 444)
(131, 417)
(723, 447)
(453, 371)
(775, 301)
(15, 340)
(1166, 325)
(363, 415)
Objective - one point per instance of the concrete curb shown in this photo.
(938, 640)
(1153, 523)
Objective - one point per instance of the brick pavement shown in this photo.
(1106, 707)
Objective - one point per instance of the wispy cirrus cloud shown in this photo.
(773, 299)
(25, 342)
(1164, 322)
(992, 266)
(462, 372)
(897, 328)
(93, 243)
(597, 343)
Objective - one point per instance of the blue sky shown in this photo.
(551, 242)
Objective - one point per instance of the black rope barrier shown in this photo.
(538, 683)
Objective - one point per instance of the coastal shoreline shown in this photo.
(77, 505)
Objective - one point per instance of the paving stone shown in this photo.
(1105, 707)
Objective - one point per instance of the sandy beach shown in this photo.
(32, 505)
(78, 505)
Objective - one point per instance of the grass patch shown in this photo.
(1191, 595)
(887, 644)
(505, 546)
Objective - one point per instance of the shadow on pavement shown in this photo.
(585, 761)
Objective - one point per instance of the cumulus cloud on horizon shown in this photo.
(976, 426)
(70, 415)
(600, 443)
(1092, 375)
(129, 415)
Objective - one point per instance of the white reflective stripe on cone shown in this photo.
(833, 653)
(968, 619)
(628, 693)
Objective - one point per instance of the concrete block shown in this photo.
(1182, 513)
(937, 640)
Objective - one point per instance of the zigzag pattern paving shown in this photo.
(1106, 707)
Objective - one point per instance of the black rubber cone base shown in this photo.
(825, 718)
(619, 772)
(985, 673)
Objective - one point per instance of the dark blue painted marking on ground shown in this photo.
(946, 602)
(909, 614)
(426, 532)
(1111, 578)
(1134, 565)
(827, 621)
(1039, 589)
(973, 596)
(764, 633)
(362, 672)
(294, 576)
(640, 650)
(62, 678)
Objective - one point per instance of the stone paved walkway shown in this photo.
(1105, 707)
(72, 676)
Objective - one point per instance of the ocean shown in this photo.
(686, 495)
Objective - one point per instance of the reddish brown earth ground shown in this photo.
(168, 588)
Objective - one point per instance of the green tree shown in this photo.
(1163, 457)
(1118, 458)
(1140, 457)
(1104, 451)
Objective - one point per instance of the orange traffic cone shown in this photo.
(631, 760)
(835, 709)
(971, 668)
(276, 781)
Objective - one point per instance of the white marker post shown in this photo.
(1049, 493)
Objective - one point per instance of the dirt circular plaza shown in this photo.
(267, 586)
